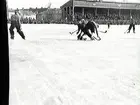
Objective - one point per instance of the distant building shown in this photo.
(27, 14)
(49, 16)
(39, 18)
(100, 10)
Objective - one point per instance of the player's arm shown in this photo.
(18, 20)
(96, 30)
(12, 16)
(19, 17)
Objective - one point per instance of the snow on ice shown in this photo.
(51, 67)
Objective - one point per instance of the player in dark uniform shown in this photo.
(92, 26)
(132, 24)
(81, 26)
(108, 24)
(15, 23)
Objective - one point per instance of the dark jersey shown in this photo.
(132, 21)
(90, 26)
(80, 27)
(15, 19)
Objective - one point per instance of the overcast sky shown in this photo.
(43, 3)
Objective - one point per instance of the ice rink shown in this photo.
(51, 67)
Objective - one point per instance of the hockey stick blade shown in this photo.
(103, 31)
(96, 38)
(106, 31)
(70, 33)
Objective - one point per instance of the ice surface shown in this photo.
(52, 68)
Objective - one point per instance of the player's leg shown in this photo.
(93, 32)
(11, 29)
(20, 31)
(133, 28)
(79, 35)
(108, 25)
(129, 29)
(89, 35)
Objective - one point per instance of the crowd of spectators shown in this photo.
(104, 18)
(100, 18)
(27, 20)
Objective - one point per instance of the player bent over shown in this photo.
(15, 23)
(92, 26)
